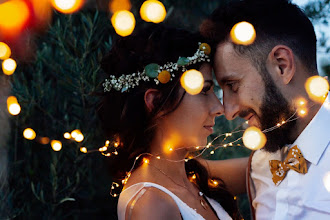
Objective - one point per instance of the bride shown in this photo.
(156, 124)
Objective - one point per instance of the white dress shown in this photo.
(187, 212)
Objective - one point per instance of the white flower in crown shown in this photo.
(159, 74)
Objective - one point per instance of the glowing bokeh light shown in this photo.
(29, 134)
(145, 160)
(9, 66)
(56, 145)
(67, 135)
(243, 33)
(14, 15)
(13, 107)
(5, 51)
(119, 5)
(79, 137)
(302, 111)
(192, 81)
(326, 181)
(123, 22)
(254, 139)
(83, 150)
(67, 6)
(153, 11)
(75, 133)
(44, 140)
(300, 102)
(317, 88)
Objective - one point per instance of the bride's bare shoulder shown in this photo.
(152, 204)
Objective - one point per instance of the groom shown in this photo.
(262, 83)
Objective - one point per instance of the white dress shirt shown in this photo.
(298, 196)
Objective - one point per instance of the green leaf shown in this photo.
(182, 61)
(151, 70)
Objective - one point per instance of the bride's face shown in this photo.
(193, 120)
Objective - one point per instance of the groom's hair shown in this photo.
(275, 21)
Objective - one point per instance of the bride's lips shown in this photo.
(209, 128)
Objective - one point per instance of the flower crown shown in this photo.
(156, 72)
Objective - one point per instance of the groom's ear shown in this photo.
(282, 61)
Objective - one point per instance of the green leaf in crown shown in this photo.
(182, 61)
(151, 70)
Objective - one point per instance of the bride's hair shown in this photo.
(124, 115)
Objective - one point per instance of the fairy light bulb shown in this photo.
(123, 22)
(9, 66)
(317, 88)
(5, 51)
(67, 135)
(75, 133)
(29, 134)
(67, 6)
(83, 150)
(145, 160)
(326, 181)
(79, 137)
(153, 11)
(302, 112)
(56, 145)
(13, 107)
(116, 144)
(254, 139)
(192, 81)
(212, 152)
(243, 33)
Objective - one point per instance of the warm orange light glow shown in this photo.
(5, 51)
(104, 148)
(192, 81)
(29, 134)
(119, 5)
(75, 133)
(243, 33)
(116, 144)
(212, 152)
(302, 111)
(67, 6)
(254, 139)
(56, 145)
(193, 176)
(300, 102)
(13, 107)
(145, 160)
(79, 137)
(317, 88)
(43, 12)
(123, 22)
(44, 140)
(83, 150)
(153, 11)
(67, 135)
(13, 16)
(9, 66)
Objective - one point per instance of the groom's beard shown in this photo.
(274, 110)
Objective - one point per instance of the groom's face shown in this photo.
(250, 96)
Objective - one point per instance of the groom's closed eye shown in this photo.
(232, 85)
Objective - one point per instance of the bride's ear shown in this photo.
(149, 99)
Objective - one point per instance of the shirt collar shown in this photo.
(315, 137)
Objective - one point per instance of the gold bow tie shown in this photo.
(294, 160)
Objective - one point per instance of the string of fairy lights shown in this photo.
(123, 21)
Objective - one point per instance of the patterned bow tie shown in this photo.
(294, 161)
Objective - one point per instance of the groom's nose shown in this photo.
(231, 107)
